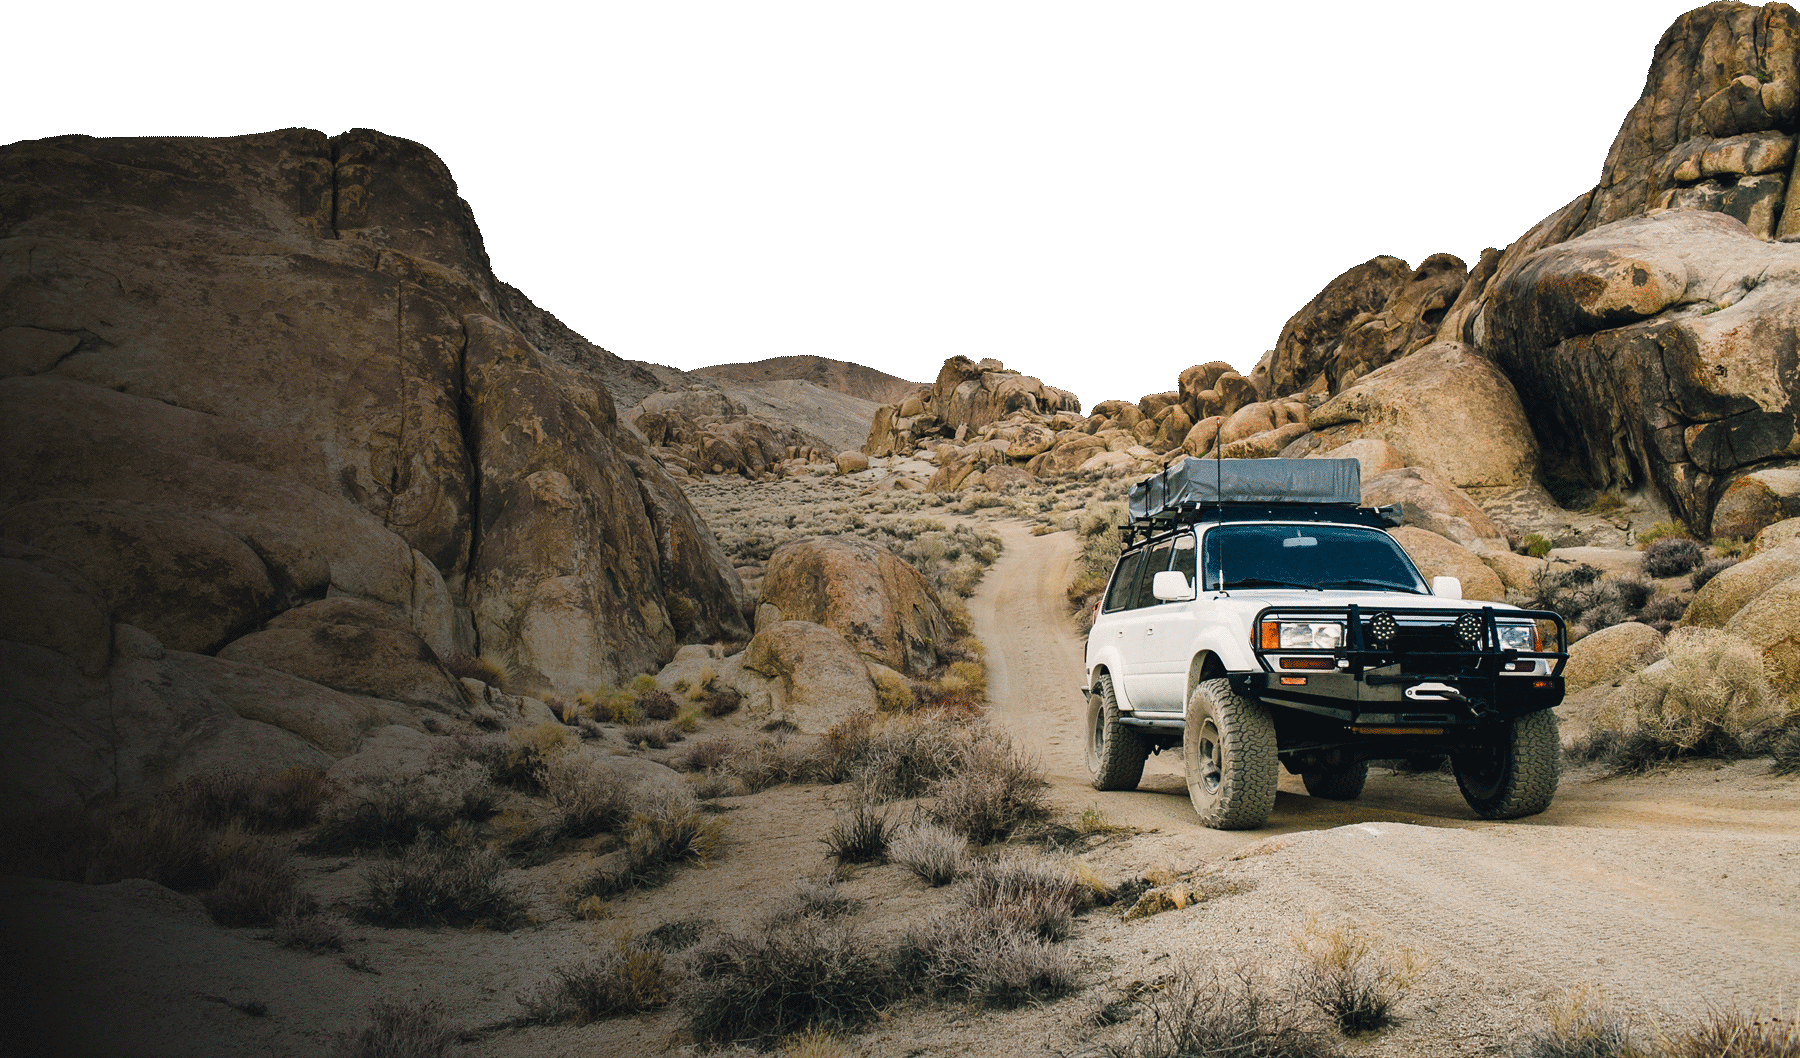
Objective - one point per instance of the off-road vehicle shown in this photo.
(1259, 615)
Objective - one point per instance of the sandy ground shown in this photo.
(1671, 892)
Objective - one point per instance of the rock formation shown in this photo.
(838, 375)
(244, 378)
(881, 604)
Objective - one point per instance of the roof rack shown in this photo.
(1386, 517)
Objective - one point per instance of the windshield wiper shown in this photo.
(1378, 584)
(1259, 582)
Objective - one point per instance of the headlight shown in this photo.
(1302, 635)
(1519, 637)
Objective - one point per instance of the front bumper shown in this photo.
(1381, 684)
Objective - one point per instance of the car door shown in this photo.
(1168, 637)
(1136, 630)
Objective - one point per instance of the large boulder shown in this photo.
(876, 600)
(1756, 500)
(1722, 597)
(1772, 622)
(1438, 557)
(1444, 407)
(1372, 314)
(1609, 655)
(1627, 381)
(822, 677)
(1430, 502)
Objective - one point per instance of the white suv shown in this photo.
(1259, 615)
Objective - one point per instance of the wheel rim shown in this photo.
(1097, 736)
(1211, 759)
(1482, 771)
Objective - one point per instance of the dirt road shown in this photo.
(1669, 891)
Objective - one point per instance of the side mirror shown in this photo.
(1446, 587)
(1171, 586)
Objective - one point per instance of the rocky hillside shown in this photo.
(837, 375)
(275, 442)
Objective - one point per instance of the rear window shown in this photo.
(1124, 582)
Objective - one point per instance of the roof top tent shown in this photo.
(1311, 490)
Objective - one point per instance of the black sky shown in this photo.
(1097, 204)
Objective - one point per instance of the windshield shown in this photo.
(1313, 557)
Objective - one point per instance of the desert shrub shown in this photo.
(997, 789)
(679, 935)
(308, 932)
(656, 704)
(585, 799)
(1350, 977)
(780, 980)
(516, 759)
(905, 755)
(709, 755)
(893, 694)
(396, 811)
(470, 667)
(1032, 894)
(1735, 1034)
(265, 803)
(768, 762)
(936, 854)
(1785, 748)
(1671, 556)
(653, 736)
(1606, 503)
(398, 1029)
(1580, 1026)
(859, 835)
(257, 885)
(1708, 570)
(437, 883)
(1661, 531)
(821, 900)
(629, 979)
(1537, 546)
(721, 701)
(843, 747)
(1663, 611)
(1730, 546)
(666, 830)
(1224, 1014)
(982, 957)
(608, 706)
(1711, 699)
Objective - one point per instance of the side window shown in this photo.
(1155, 561)
(1184, 556)
(1124, 582)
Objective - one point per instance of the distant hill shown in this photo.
(842, 376)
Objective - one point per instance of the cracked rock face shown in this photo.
(242, 375)
(1660, 347)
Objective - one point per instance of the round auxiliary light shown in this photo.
(1383, 627)
(1468, 628)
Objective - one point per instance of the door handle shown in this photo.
(1149, 631)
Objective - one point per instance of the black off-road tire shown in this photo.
(1337, 784)
(1516, 773)
(1115, 753)
(1229, 750)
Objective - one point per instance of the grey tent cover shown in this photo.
(1204, 481)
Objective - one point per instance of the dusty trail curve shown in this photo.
(1673, 890)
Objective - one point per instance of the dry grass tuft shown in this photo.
(629, 979)
(936, 854)
(979, 956)
(779, 981)
(1222, 1014)
(399, 1029)
(437, 883)
(996, 790)
(1350, 977)
(470, 667)
(262, 803)
(1033, 894)
(821, 900)
(308, 932)
(397, 811)
(665, 830)
(859, 835)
